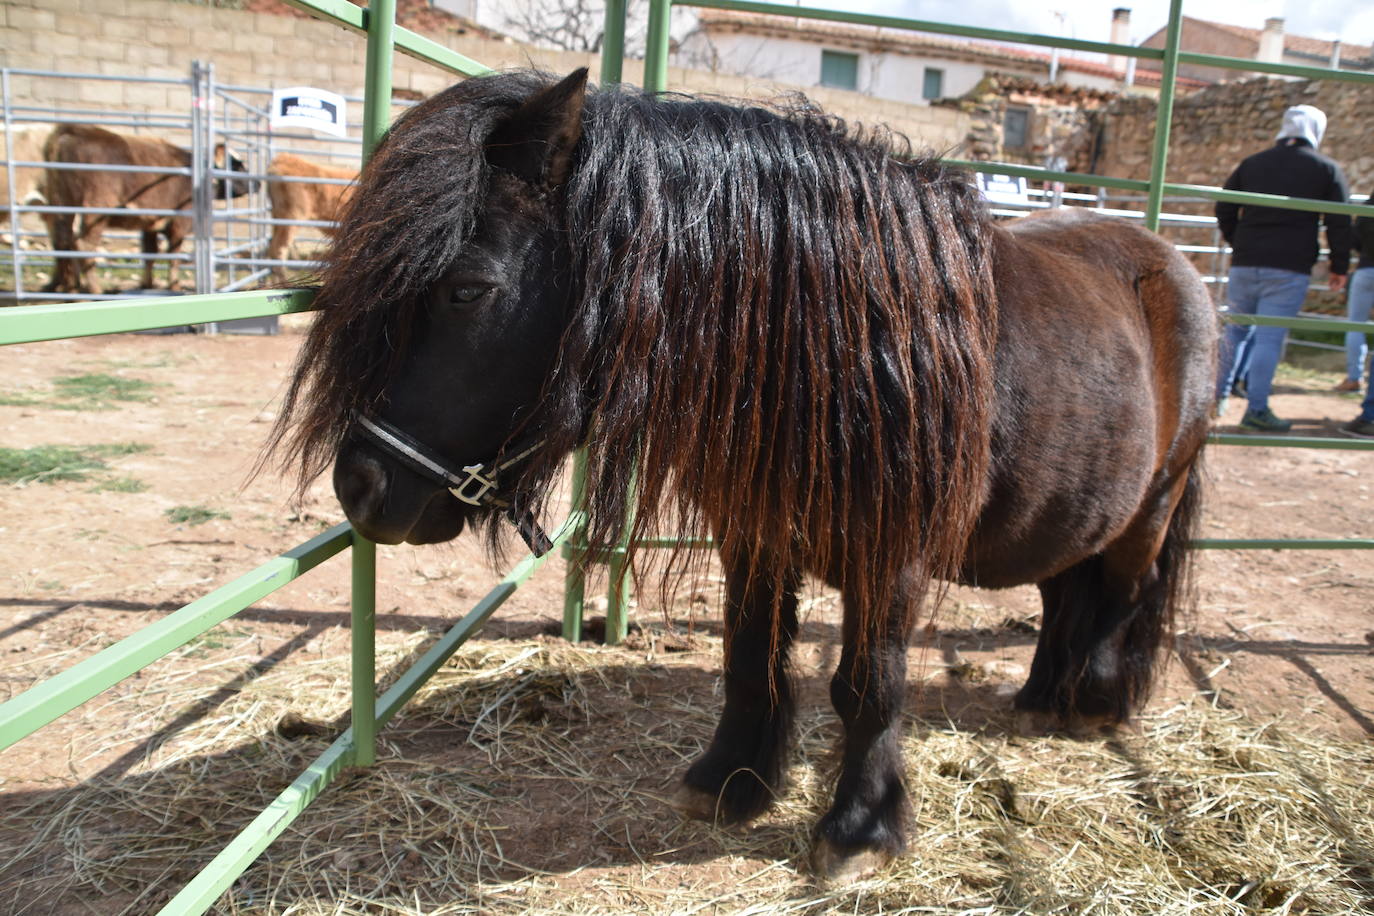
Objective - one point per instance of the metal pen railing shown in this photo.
(31, 710)
(46, 701)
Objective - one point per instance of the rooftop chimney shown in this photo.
(1271, 42)
(1121, 35)
(1336, 54)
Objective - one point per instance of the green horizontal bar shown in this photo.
(391, 701)
(1282, 544)
(58, 695)
(921, 25)
(1255, 66)
(1269, 200)
(32, 323)
(1182, 190)
(1042, 174)
(216, 877)
(201, 893)
(1301, 324)
(343, 13)
(1330, 442)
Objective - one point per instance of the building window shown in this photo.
(933, 85)
(1016, 128)
(839, 70)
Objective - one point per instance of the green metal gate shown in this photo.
(47, 701)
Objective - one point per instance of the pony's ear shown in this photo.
(536, 142)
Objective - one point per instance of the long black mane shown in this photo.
(780, 329)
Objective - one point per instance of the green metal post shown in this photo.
(656, 46)
(618, 589)
(381, 26)
(363, 626)
(575, 553)
(1164, 116)
(613, 42)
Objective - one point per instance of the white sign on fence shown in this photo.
(1003, 189)
(305, 106)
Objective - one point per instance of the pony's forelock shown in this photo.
(416, 204)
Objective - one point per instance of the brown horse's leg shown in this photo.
(738, 776)
(864, 828)
(62, 233)
(176, 234)
(92, 230)
(279, 248)
(148, 246)
(1106, 619)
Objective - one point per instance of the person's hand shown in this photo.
(1335, 282)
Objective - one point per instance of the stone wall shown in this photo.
(1215, 128)
(160, 38)
(1064, 121)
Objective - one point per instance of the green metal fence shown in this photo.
(45, 702)
(24, 714)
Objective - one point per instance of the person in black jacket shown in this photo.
(1273, 251)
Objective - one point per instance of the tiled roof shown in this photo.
(1299, 44)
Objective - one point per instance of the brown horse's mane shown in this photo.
(781, 328)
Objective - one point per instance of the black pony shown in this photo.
(783, 332)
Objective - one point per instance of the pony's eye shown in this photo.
(468, 295)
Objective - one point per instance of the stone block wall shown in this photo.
(1214, 129)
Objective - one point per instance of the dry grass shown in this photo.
(528, 777)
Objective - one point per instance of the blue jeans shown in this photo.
(1357, 309)
(1367, 406)
(1258, 291)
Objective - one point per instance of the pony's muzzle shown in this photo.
(389, 504)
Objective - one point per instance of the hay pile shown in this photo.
(529, 777)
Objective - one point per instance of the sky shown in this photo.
(1352, 21)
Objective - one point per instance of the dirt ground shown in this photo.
(1279, 637)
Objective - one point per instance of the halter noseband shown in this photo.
(475, 485)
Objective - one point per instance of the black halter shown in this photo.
(475, 485)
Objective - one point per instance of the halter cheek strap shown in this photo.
(475, 484)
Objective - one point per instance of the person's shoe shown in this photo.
(1359, 429)
(1348, 384)
(1238, 387)
(1264, 421)
(1219, 410)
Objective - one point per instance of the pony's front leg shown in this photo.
(865, 826)
(741, 771)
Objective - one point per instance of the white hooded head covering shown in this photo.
(1303, 122)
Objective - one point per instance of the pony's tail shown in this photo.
(1104, 639)
(1167, 595)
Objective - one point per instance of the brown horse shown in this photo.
(819, 349)
(84, 144)
(294, 200)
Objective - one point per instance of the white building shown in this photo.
(892, 64)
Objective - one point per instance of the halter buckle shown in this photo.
(474, 475)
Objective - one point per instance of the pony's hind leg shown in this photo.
(864, 828)
(741, 771)
(1106, 619)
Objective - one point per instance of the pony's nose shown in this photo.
(360, 484)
